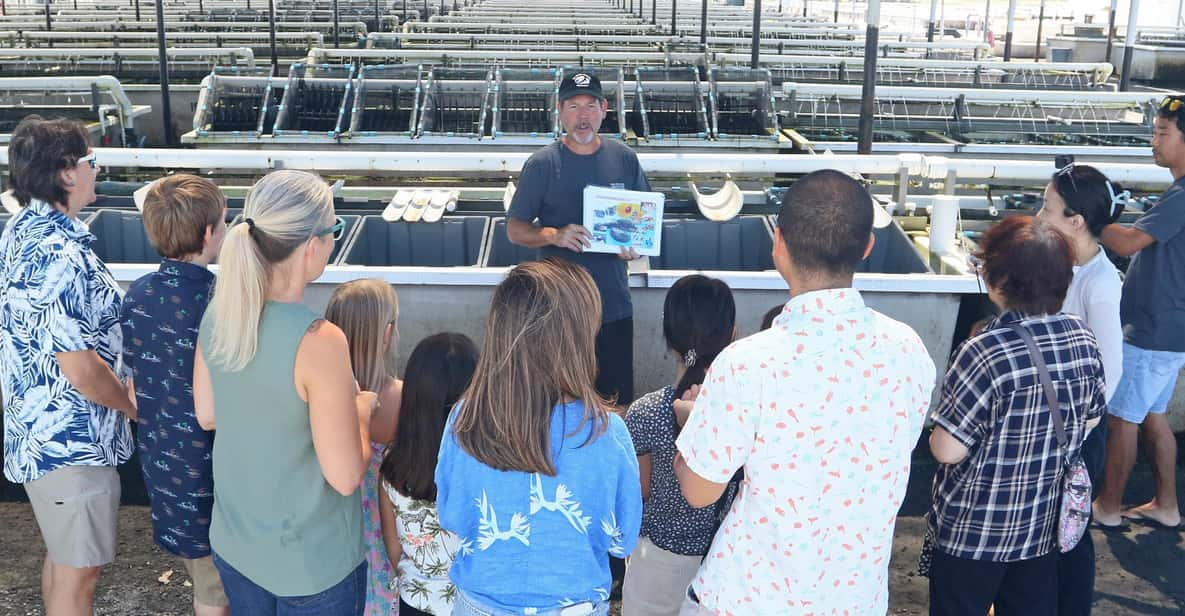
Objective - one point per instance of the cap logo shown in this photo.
(581, 80)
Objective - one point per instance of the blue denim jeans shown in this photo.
(468, 605)
(346, 598)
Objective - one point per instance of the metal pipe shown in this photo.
(868, 92)
(1180, 6)
(755, 46)
(105, 83)
(336, 39)
(674, 9)
(1110, 30)
(137, 5)
(1129, 43)
(654, 12)
(987, 20)
(48, 21)
(703, 26)
(1011, 27)
(1040, 24)
(930, 25)
(806, 91)
(805, 7)
(836, 11)
(271, 35)
(166, 105)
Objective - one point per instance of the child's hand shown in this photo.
(367, 402)
(684, 405)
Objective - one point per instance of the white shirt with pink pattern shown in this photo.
(822, 411)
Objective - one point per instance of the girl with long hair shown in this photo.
(293, 430)
(699, 320)
(367, 311)
(533, 468)
(438, 372)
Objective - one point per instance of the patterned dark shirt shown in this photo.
(56, 296)
(667, 519)
(160, 318)
(1000, 504)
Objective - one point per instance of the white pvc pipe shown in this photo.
(772, 60)
(66, 53)
(105, 83)
(984, 95)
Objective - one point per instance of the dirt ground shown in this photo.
(1140, 571)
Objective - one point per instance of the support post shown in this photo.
(674, 9)
(755, 46)
(1129, 42)
(48, 19)
(337, 43)
(137, 5)
(654, 12)
(868, 93)
(930, 25)
(836, 11)
(271, 35)
(806, 5)
(1011, 28)
(703, 26)
(166, 106)
(1177, 24)
(987, 21)
(1110, 30)
(1040, 25)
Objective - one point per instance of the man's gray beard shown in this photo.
(591, 136)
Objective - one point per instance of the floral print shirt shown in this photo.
(822, 410)
(428, 552)
(160, 317)
(56, 296)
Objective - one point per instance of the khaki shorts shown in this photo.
(76, 508)
(207, 586)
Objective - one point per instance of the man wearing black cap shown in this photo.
(547, 210)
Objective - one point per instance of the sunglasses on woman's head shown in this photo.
(90, 159)
(338, 229)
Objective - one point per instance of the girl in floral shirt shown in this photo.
(438, 371)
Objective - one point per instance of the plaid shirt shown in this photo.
(1001, 503)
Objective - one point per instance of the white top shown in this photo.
(1094, 296)
(822, 410)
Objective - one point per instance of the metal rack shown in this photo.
(231, 105)
(669, 104)
(524, 104)
(100, 102)
(456, 103)
(317, 100)
(129, 65)
(741, 101)
(388, 102)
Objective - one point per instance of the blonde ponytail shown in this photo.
(284, 210)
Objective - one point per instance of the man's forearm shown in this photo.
(529, 235)
(106, 390)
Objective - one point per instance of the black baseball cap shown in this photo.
(581, 83)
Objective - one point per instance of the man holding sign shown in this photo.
(548, 208)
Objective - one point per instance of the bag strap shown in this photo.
(1055, 409)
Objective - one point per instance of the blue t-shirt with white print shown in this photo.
(533, 541)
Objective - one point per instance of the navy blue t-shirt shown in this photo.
(1152, 307)
(160, 317)
(551, 190)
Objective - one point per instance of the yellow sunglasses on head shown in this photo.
(1172, 103)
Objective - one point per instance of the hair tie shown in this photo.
(1122, 199)
(250, 222)
(689, 358)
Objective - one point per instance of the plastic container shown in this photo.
(454, 241)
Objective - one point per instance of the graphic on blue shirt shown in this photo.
(160, 319)
(56, 296)
(592, 508)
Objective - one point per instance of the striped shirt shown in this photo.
(1000, 504)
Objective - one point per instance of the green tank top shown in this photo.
(275, 519)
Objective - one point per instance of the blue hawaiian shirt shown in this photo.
(558, 532)
(160, 318)
(56, 296)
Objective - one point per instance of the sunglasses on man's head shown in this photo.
(1172, 103)
(338, 229)
(90, 159)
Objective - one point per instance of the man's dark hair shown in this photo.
(825, 220)
(38, 150)
(1177, 116)
(1009, 251)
